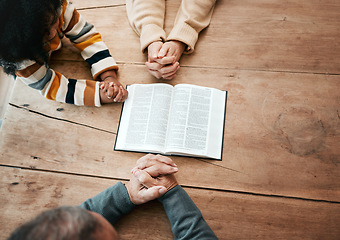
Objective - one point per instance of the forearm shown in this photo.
(55, 86)
(192, 17)
(112, 203)
(146, 18)
(107, 74)
(87, 40)
(185, 218)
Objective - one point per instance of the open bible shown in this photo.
(183, 120)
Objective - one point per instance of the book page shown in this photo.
(144, 119)
(196, 121)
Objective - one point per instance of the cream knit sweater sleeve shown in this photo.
(147, 19)
(192, 17)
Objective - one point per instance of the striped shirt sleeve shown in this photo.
(87, 40)
(54, 86)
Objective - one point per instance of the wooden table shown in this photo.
(280, 173)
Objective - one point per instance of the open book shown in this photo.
(184, 120)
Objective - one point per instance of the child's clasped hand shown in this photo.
(111, 90)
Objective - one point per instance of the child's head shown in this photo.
(24, 28)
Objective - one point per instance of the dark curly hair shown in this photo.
(23, 25)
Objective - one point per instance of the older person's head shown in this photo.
(151, 178)
(67, 223)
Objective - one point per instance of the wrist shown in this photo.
(169, 193)
(108, 77)
(110, 73)
(171, 186)
(155, 42)
(128, 189)
(180, 44)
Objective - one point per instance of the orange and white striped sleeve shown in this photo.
(55, 86)
(87, 39)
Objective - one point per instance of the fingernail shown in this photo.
(162, 190)
(111, 84)
(137, 173)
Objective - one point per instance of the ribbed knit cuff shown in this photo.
(151, 33)
(103, 65)
(97, 95)
(185, 33)
(173, 191)
(126, 205)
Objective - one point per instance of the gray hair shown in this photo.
(63, 223)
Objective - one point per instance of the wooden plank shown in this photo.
(280, 124)
(81, 4)
(296, 36)
(25, 194)
(231, 216)
(255, 159)
(106, 117)
(6, 86)
(277, 36)
(60, 145)
(260, 96)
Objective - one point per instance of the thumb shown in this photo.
(153, 50)
(144, 178)
(153, 193)
(164, 50)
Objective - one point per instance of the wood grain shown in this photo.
(276, 36)
(280, 174)
(25, 193)
(256, 157)
(85, 4)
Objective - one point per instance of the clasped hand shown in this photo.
(151, 178)
(110, 89)
(163, 58)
